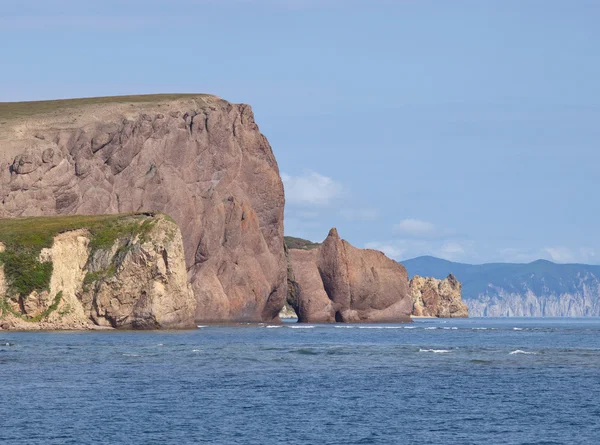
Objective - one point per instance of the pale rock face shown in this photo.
(583, 303)
(199, 159)
(338, 282)
(437, 298)
(148, 290)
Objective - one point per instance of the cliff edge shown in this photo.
(198, 158)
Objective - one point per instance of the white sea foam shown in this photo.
(436, 351)
(195, 350)
(380, 327)
(131, 355)
(518, 351)
(201, 326)
(433, 327)
(453, 328)
(345, 327)
(517, 329)
(272, 327)
(408, 327)
(300, 327)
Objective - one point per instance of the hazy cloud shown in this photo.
(566, 255)
(390, 250)
(310, 189)
(451, 251)
(415, 227)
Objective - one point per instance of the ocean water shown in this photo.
(493, 381)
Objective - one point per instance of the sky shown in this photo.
(464, 129)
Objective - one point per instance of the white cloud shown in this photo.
(566, 255)
(415, 228)
(451, 251)
(389, 249)
(310, 189)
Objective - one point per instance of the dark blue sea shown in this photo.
(474, 381)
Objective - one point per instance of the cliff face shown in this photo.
(197, 158)
(437, 298)
(125, 271)
(338, 282)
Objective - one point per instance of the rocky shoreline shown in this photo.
(204, 162)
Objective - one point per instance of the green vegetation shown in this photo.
(299, 243)
(12, 110)
(24, 239)
(5, 308)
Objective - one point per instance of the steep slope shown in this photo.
(540, 288)
(119, 271)
(197, 158)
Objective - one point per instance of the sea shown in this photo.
(434, 381)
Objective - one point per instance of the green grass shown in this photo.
(299, 243)
(11, 110)
(25, 238)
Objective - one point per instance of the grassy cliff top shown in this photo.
(39, 232)
(15, 110)
(24, 239)
(299, 243)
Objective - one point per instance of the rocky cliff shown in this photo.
(123, 271)
(537, 289)
(197, 158)
(338, 282)
(437, 298)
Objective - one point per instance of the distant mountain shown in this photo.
(541, 288)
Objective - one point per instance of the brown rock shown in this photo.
(338, 282)
(437, 298)
(197, 158)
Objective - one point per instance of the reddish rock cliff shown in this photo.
(197, 158)
(338, 282)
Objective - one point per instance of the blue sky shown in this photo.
(463, 129)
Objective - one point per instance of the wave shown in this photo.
(518, 351)
(433, 327)
(273, 327)
(300, 327)
(380, 327)
(195, 350)
(453, 328)
(130, 355)
(436, 351)
(201, 326)
(517, 329)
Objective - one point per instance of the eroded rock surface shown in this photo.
(437, 298)
(197, 158)
(339, 282)
(138, 281)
